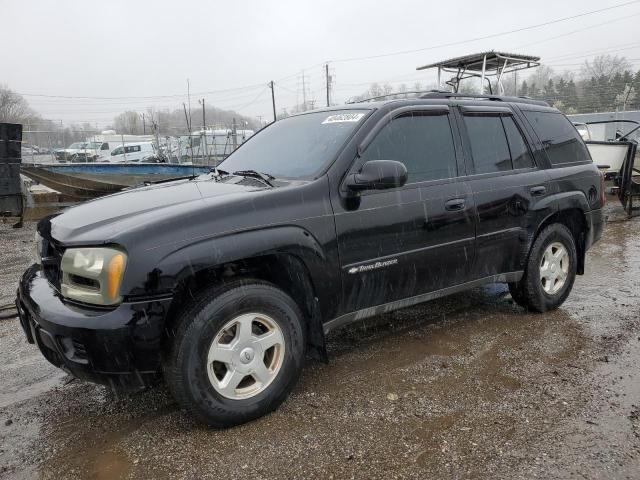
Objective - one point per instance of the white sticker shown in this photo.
(344, 117)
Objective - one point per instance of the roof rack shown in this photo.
(482, 65)
(426, 94)
(496, 98)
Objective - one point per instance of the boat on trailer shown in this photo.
(607, 141)
(83, 181)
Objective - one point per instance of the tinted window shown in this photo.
(424, 143)
(520, 155)
(561, 140)
(298, 146)
(105, 146)
(117, 151)
(489, 147)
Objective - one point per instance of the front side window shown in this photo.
(296, 147)
(489, 147)
(422, 141)
(561, 140)
(117, 151)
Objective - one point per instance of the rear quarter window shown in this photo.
(561, 140)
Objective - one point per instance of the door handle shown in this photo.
(538, 191)
(454, 205)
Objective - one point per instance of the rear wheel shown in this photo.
(550, 271)
(237, 353)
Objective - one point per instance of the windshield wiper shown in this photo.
(265, 177)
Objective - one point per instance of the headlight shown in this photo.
(37, 248)
(93, 275)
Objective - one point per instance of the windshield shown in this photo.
(296, 147)
(77, 145)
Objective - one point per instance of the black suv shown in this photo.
(221, 282)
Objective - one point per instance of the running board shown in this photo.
(423, 297)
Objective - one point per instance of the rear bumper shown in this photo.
(596, 221)
(118, 347)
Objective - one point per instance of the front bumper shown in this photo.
(118, 347)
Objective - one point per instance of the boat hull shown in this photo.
(83, 181)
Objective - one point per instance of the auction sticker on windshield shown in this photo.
(344, 117)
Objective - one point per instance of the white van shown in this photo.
(131, 152)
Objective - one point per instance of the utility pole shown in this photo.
(234, 133)
(144, 125)
(190, 142)
(204, 133)
(304, 94)
(328, 80)
(189, 100)
(273, 100)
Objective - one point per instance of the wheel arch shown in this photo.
(290, 258)
(569, 211)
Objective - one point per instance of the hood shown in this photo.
(107, 218)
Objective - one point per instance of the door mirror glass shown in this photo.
(378, 175)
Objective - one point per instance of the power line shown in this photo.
(493, 35)
(600, 24)
(600, 51)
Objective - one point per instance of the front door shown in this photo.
(402, 242)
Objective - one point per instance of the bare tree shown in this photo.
(13, 107)
(541, 76)
(604, 66)
(128, 122)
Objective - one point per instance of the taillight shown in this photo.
(603, 198)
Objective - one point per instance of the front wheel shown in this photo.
(237, 353)
(550, 270)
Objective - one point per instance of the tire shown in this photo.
(543, 287)
(213, 326)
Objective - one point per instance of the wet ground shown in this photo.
(470, 386)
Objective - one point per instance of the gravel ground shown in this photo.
(470, 386)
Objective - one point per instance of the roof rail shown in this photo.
(392, 94)
(495, 98)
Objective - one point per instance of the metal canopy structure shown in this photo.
(482, 65)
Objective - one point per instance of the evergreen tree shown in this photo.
(550, 92)
(571, 96)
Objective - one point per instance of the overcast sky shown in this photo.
(149, 48)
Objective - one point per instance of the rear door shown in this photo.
(402, 242)
(508, 188)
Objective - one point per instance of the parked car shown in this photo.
(132, 152)
(220, 283)
(78, 152)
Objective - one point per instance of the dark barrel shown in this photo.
(11, 203)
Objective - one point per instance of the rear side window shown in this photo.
(520, 155)
(489, 147)
(424, 143)
(562, 142)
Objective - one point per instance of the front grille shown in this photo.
(51, 260)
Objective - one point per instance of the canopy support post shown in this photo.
(484, 67)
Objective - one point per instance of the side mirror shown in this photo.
(378, 175)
